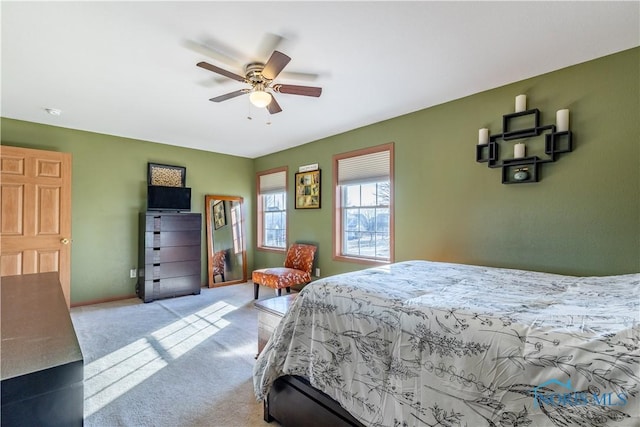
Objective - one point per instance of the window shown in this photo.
(272, 209)
(363, 182)
(236, 227)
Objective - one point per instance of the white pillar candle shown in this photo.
(518, 150)
(562, 120)
(483, 136)
(521, 103)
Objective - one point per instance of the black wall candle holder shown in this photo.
(523, 169)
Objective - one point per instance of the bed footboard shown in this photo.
(292, 401)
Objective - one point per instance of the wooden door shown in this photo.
(35, 214)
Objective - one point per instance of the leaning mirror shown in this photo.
(227, 258)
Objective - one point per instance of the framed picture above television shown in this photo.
(166, 175)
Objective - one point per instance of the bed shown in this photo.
(422, 343)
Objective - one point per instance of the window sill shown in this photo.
(358, 260)
(271, 249)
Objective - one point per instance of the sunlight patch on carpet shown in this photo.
(113, 375)
(186, 333)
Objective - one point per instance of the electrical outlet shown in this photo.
(133, 272)
(317, 272)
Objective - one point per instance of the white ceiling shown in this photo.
(129, 68)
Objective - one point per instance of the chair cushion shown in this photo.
(300, 256)
(280, 277)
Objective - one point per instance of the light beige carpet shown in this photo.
(183, 361)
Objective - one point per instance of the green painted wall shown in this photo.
(582, 218)
(109, 190)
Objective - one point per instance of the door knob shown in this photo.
(64, 241)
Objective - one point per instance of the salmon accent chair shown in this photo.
(218, 264)
(296, 270)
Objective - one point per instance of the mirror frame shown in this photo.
(208, 199)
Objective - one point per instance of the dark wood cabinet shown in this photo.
(171, 254)
(42, 363)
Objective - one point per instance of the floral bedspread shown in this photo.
(420, 343)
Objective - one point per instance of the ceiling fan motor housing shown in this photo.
(253, 73)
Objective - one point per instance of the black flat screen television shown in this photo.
(161, 198)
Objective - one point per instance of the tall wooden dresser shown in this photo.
(171, 255)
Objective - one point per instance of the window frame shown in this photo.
(338, 210)
(260, 211)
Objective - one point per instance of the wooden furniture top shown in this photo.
(277, 305)
(36, 328)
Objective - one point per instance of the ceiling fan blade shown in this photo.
(229, 95)
(219, 70)
(296, 75)
(208, 49)
(273, 106)
(298, 90)
(275, 64)
(269, 43)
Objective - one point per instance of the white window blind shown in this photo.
(273, 182)
(372, 167)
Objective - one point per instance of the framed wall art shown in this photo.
(219, 215)
(166, 175)
(308, 190)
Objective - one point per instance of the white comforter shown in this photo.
(419, 343)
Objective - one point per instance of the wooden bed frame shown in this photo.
(292, 401)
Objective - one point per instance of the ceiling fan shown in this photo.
(261, 76)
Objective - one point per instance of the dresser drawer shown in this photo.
(171, 269)
(175, 222)
(171, 287)
(171, 238)
(172, 254)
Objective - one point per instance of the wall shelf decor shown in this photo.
(524, 125)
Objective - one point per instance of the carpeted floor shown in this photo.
(183, 361)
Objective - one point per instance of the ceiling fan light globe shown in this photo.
(260, 98)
